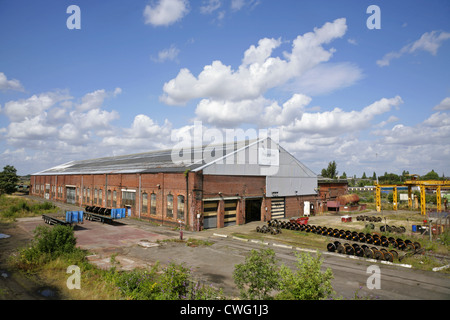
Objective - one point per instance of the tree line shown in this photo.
(388, 178)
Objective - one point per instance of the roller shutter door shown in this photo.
(278, 208)
(210, 214)
(230, 213)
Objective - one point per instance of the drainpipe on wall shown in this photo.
(139, 195)
(105, 200)
(162, 200)
(81, 192)
(186, 174)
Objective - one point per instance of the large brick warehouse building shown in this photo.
(221, 186)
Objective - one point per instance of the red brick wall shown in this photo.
(230, 186)
(161, 184)
(294, 206)
(329, 191)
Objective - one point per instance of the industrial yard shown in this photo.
(138, 244)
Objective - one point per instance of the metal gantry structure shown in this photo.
(422, 184)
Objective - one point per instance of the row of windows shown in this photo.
(128, 198)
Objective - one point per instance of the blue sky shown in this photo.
(373, 100)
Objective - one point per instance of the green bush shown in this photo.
(174, 282)
(307, 282)
(257, 277)
(55, 240)
(48, 243)
(137, 284)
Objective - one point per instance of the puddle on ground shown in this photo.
(4, 236)
(48, 293)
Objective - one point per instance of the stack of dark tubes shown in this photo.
(98, 210)
(368, 218)
(363, 244)
(368, 249)
(268, 229)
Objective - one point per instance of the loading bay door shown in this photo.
(230, 213)
(210, 214)
(277, 208)
(253, 209)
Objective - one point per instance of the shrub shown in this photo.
(137, 284)
(307, 282)
(48, 243)
(257, 277)
(55, 240)
(174, 282)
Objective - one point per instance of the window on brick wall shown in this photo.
(144, 203)
(88, 197)
(95, 195)
(180, 207)
(153, 203)
(114, 202)
(169, 206)
(100, 197)
(129, 198)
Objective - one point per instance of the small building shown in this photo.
(213, 187)
(329, 192)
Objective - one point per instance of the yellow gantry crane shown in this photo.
(422, 184)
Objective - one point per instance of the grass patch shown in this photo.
(191, 242)
(288, 237)
(12, 207)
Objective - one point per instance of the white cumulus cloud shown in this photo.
(19, 110)
(429, 42)
(169, 54)
(6, 84)
(165, 12)
(443, 105)
(258, 72)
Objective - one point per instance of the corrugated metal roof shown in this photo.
(161, 161)
(147, 162)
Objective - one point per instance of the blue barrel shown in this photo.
(414, 228)
(69, 216)
(80, 215)
(113, 213)
(122, 211)
(74, 216)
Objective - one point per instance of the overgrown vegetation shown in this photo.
(259, 277)
(173, 282)
(47, 245)
(12, 207)
(306, 282)
(55, 248)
